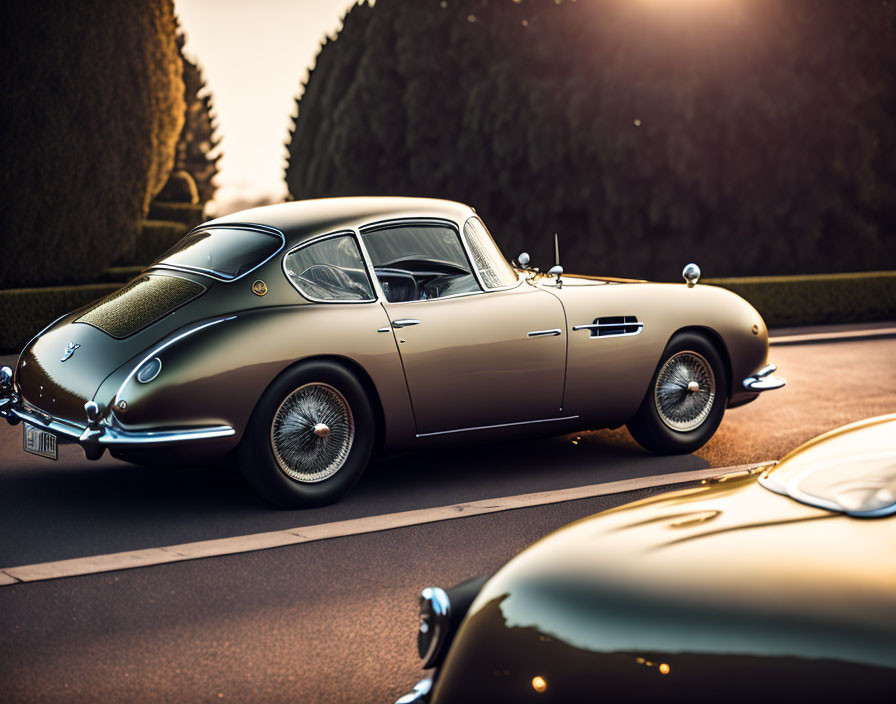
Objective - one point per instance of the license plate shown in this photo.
(39, 442)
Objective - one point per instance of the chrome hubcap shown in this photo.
(312, 433)
(685, 390)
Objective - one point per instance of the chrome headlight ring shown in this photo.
(435, 624)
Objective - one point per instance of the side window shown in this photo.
(329, 270)
(493, 268)
(419, 262)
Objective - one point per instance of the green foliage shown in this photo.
(824, 298)
(188, 214)
(752, 137)
(27, 311)
(155, 238)
(179, 188)
(197, 143)
(92, 103)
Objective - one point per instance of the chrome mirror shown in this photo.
(523, 260)
(556, 270)
(691, 274)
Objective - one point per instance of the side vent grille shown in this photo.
(613, 326)
(617, 325)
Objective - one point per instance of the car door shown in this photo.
(472, 357)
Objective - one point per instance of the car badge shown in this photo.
(259, 288)
(69, 350)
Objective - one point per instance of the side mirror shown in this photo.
(523, 260)
(691, 274)
(556, 270)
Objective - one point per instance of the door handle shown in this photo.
(405, 322)
(545, 333)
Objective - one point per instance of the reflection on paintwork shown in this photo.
(853, 470)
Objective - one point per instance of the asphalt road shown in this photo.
(333, 620)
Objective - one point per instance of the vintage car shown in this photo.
(307, 335)
(766, 585)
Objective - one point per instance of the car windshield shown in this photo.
(225, 253)
(851, 470)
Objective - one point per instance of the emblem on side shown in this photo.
(69, 350)
(259, 288)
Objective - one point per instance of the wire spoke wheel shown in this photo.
(685, 390)
(312, 433)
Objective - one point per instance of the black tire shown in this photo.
(687, 424)
(280, 450)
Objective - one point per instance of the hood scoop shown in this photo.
(140, 303)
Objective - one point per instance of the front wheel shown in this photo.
(309, 438)
(686, 400)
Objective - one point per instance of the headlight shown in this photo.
(149, 370)
(435, 623)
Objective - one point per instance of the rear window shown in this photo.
(225, 253)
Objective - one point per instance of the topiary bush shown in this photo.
(197, 144)
(92, 105)
(752, 137)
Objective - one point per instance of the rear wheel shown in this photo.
(309, 438)
(686, 400)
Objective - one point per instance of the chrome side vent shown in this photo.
(613, 326)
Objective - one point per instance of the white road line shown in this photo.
(356, 526)
(831, 336)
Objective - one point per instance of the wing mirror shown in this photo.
(523, 260)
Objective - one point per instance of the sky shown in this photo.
(254, 57)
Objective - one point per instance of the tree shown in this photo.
(752, 137)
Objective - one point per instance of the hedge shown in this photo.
(188, 214)
(782, 301)
(26, 311)
(818, 299)
(156, 236)
(91, 106)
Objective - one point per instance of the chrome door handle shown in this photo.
(544, 333)
(405, 322)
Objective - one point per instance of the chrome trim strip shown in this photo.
(498, 425)
(110, 435)
(265, 229)
(386, 329)
(405, 322)
(159, 349)
(322, 238)
(44, 421)
(543, 333)
(116, 436)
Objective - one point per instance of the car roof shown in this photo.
(299, 220)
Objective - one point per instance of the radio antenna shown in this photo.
(556, 250)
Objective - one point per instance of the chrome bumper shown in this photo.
(420, 695)
(96, 435)
(763, 380)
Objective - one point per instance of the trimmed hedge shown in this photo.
(91, 106)
(817, 299)
(156, 236)
(782, 301)
(189, 214)
(26, 311)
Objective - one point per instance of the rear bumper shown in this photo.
(96, 436)
(763, 380)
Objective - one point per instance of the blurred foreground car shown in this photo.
(772, 585)
(305, 336)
